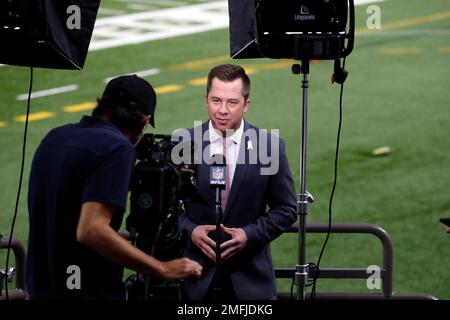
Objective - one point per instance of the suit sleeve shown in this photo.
(280, 197)
(187, 226)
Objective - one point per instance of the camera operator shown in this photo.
(77, 196)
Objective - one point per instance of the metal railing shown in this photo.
(19, 292)
(386, 271)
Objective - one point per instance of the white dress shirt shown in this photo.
(216, 147)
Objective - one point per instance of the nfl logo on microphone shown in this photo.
(218, 173)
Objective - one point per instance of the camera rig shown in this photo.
(158, 190)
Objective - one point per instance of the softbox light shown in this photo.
(242, 29)
(46, 33)
(302, 29)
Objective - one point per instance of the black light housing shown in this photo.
(37, 33)
(302, 29)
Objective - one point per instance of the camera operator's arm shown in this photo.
(94, 231)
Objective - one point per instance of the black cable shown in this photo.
(338, 139)
(20, 180)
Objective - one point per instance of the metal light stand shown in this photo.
(304, 198)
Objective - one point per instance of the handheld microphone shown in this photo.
(218, 172)
(217, 181)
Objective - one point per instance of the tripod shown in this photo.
(304, 198)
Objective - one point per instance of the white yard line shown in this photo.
(48, 92)
(160, 24)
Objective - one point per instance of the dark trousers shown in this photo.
(226, 291)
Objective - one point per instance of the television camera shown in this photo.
(159, 187)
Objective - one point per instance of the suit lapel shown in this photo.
(203, 169)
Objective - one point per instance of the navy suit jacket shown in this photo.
(251, 270)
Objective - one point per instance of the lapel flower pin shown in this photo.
(249, 145)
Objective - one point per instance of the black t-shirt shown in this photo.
(75, 163)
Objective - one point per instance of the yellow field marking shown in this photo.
(168, 89)
(2, 124)
(444, 49)
(417, 20)
(80, 107)
(198, 82)
(35, 116)
(400, 50)
(200, 64)
(250, 70)
(408, 22)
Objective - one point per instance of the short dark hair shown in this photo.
(229, 72)
(119, 113)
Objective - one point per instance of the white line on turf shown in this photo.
(160, 24)
(48, 92)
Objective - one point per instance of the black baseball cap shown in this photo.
(135, 90)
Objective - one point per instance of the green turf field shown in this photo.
(397, 95)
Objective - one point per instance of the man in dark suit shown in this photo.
(258, 177)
